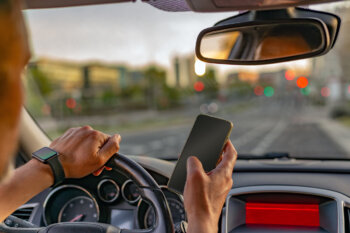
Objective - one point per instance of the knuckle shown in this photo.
(94, 134)
(114, 142)
(117, 146)
(234, 152)
(70, 130)
(118, 137)
(231, 156)
(228, 177)
(86, 127)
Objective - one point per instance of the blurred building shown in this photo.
(71, 76)
(136, 78)
(182, 73)
(66, 75)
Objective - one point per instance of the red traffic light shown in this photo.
(258, 90)
(302, 82)
(198, 86)
(289, 75)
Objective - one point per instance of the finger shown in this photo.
(194, 166)
(110, 147)
(95, 137)
(219, 161)
(228, 160)
(99, 171)
(103, 138)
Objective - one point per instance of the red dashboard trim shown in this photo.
(283, 214)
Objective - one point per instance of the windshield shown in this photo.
(130, 69)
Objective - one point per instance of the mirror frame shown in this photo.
(321, 25)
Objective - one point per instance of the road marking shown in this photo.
(337, 132)
(250, 135)
(270, 137)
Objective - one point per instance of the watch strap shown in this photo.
(57, 170)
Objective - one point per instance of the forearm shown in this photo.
(25, 182)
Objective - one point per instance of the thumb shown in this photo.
(194, 166)
(110, 147)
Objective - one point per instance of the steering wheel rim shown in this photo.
(149, 191)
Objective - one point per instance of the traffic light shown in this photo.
(198, 86)
(71, 103)
(289, 75)
(258, 90)
(302, 82)
(269, 91)
(305, 91)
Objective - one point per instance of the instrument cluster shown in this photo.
(101, 201)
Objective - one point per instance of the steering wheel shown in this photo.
(149, 191)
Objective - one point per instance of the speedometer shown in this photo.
(79, 209)
(70, 203)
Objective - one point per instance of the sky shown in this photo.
(132, 33)
(135, 34)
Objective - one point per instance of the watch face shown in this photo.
(44, 153)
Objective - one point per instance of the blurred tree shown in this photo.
(173, 95)
(156, 78)
(41, 80)
(132, 92)
(211, 86)
(109, 97)
(159, 94)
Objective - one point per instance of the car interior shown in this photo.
(293, 184)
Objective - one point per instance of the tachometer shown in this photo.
(177, 212)
(79, 209)
(146, 216)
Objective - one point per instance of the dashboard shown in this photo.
(267, 196)
(109, 198)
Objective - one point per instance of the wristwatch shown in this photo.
(48, 156)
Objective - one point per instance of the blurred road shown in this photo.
(268, 126)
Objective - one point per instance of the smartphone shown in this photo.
(206, 141)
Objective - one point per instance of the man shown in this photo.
(82, 150)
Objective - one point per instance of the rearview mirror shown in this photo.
(252, 42)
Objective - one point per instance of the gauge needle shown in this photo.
(77, 218)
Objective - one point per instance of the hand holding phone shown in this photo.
(206, 141)
(205, 193)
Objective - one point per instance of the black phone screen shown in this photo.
(206, 141)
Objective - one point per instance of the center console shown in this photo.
(284, 209)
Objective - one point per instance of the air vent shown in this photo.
(24, 212)
(347, 219)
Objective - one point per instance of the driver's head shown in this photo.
(285, 45)
(14, 55)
